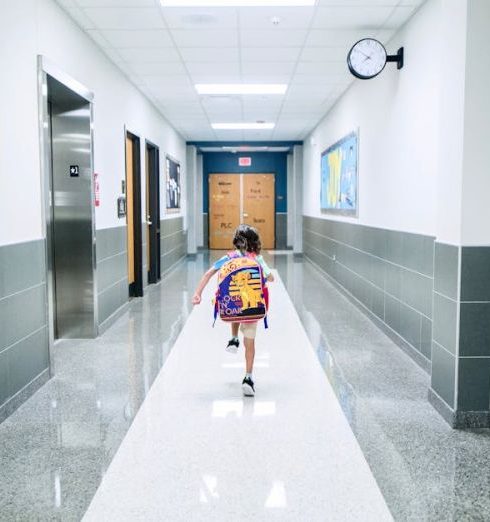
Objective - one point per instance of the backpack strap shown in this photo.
(215, 307)
(266, 324)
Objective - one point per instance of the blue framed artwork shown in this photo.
(339, 182)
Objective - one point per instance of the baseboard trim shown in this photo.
(23, 395)
(444, 410)
(105, 325)
(412, 352)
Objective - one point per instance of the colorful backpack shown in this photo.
(242, 293)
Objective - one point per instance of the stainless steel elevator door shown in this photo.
(72, 213)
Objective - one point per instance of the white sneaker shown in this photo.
(248, 387)
(233, 345)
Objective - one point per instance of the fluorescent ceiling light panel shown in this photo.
(237, 3)
(241, 88)
(242, 126)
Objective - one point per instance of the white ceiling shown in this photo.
(165, 51)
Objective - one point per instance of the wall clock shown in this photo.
(368, 57)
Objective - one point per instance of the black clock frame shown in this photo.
(398, 58)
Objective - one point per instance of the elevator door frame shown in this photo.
(46, 68)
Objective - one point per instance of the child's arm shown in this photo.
(265, 268)
(196, 299)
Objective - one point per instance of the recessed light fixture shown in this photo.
(243, 126)
(237, 3)
(241, 88)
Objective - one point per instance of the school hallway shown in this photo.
(150, 419)
(327, 140)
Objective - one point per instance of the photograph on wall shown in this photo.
(339, 169)
(173, 185)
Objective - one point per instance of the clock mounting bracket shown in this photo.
(397, 58)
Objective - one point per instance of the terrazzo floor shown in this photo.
(56, 448)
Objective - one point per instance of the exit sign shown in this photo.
(244, 162)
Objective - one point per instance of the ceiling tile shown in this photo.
(125, 17)
(284, 17)
(262, 101)
(270, 54)
(196, 68)
(273, 38)
(259, 68)
(324, 54)
(360, 17)
(195, 18)
(336, 37)
(210, 54)
(205, 38)
(157, 68)
(334, 68)
(138, 38)
(150, 55)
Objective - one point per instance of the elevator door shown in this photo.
(71, 241)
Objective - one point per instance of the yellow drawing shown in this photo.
(335, 164)
(250, 296)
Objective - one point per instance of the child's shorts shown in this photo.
(249, 330)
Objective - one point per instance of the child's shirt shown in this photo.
(260, 260)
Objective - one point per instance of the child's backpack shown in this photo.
(242, 293)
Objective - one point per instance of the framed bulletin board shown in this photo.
(339, 177)
(173, 184)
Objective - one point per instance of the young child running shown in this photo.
(247, 243)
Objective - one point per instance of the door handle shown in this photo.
(245, 215)
(149, 223)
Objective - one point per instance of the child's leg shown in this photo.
(249, 354)
(249, 330)
(233, 343)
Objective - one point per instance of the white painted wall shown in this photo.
(451, 121)
(397, 115)
(475, 226)
(33, 27)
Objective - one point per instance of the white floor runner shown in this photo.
(199, 451)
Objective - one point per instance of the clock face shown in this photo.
(367, 58)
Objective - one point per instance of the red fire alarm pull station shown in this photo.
(244, 162)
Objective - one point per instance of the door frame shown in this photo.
(136, 288)
(153, 211)
(46, 68)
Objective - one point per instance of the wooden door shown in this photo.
(259, 206)
(148, 216)
(224, 209)
(130, 207)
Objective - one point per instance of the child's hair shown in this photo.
(247, 239)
